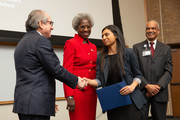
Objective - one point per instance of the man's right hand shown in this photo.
(81, 83)
(152, 89)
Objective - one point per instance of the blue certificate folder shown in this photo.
(110, 97)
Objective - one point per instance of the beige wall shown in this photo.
(133, 21)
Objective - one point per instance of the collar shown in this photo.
(155, 41)
(80, 39)
(39, 32)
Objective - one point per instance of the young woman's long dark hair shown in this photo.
(120, 48)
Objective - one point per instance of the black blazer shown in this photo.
(132, 71)
(156, 70)
(37, 67)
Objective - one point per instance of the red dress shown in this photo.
(80, 59)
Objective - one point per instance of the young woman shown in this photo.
(116, 63)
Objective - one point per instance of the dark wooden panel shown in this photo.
(175, 83)
(176, 66)
(175, 93)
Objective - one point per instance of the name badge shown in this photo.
(146, 52)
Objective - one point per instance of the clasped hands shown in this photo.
(82, 82)
(152, 90)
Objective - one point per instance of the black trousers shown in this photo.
(33, 117)
(158, 109)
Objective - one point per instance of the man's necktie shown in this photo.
(152, 48)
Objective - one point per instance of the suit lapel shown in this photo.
(106, 69)
(157, 50)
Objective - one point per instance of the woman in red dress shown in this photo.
(80, 59)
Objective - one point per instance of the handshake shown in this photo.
(82, 82)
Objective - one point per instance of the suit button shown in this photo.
(90, 61)
(88, 53)
(89, 70)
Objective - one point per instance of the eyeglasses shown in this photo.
(84, 26)
(51, 23)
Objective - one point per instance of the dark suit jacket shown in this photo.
(156, 70)
(37, 67)
(132, 71)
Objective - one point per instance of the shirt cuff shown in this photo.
(99, 83)
(138, 80)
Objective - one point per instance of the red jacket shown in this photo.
(79, 59)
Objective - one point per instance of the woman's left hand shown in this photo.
(127, 90)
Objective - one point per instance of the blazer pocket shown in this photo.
(48, 98)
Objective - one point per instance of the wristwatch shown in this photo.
(70, 97)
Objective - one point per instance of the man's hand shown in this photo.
(70, 104)
(81, 83)
(152, 89)
(148, 94)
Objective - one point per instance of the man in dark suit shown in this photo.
(155, 62)
(37, 67)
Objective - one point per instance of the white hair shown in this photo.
(77, 19)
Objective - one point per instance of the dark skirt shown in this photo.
(129, 112)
